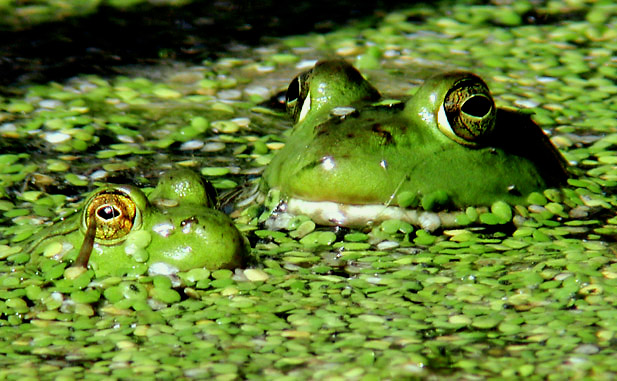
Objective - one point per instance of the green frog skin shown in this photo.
(120, 227)
(352, 155)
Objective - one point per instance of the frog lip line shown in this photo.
(332, 213)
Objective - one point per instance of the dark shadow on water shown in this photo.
(145, 34)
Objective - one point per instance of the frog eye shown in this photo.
(468, 112)
(298, 97)
(113, 212)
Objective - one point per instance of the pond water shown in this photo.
(536, 299)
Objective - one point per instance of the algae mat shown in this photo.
(535, 299)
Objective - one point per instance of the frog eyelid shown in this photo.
(298, 96)
(306, 107)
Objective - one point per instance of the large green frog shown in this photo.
(120, 227)
(354, 157)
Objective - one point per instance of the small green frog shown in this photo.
(354, 157)
(120, 227)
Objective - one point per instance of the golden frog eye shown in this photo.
(469, 112)
(113, 212)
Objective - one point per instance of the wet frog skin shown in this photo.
(447, 146)
(120, 227)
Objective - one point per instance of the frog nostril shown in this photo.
(188, 224)
(190, 220)
(477, 106)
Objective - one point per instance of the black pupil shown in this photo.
(108, 212)
(477, 106)
(293, 91)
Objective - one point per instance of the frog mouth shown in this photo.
(360, 216)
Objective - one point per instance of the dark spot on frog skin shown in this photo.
(326, 127)
(323, 129)
(383, 133)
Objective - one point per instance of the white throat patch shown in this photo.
(358, 216)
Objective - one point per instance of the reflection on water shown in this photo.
(101, 41)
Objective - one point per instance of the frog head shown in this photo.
(119, 227)
(448, 142)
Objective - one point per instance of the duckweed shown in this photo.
(530, 295)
